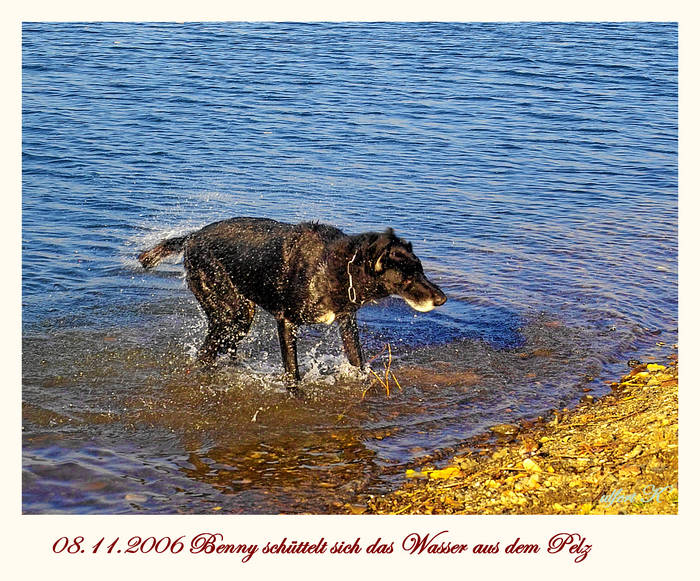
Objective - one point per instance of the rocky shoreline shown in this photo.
(615, 455)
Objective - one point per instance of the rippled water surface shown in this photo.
(533, 166)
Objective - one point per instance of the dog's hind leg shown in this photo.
(226, 329)
(229, 314)
(351, 339)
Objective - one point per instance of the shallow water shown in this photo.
(533, 166)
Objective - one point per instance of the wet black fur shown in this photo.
(298, 273)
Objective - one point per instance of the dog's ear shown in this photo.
(380, 263)
(379, 249)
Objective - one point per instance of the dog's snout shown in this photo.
(440, 297)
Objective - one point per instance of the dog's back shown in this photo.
(271, 263)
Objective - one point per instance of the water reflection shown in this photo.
(244, 443)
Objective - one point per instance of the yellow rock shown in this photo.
(531, 466)
(655, 367)
(636, 451)
(443, 474)
(586, 508)
(499, 454)
(532, 482)
(413, 474)
(453, 503)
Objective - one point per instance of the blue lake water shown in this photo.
(533, 166)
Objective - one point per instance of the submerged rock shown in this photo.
(505, 430)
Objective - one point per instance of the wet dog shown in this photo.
(302, 274)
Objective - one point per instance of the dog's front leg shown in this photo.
(351, 339)
(288, 343)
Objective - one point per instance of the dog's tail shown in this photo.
(150, 258)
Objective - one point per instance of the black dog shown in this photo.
(301, 274)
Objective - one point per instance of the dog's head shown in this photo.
(399, 272)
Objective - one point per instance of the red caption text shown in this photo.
(435, 544)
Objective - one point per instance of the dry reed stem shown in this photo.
(387, 372)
